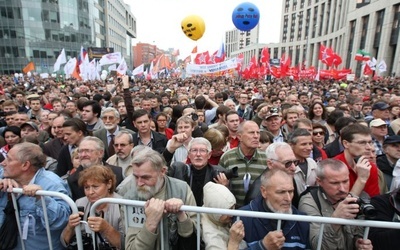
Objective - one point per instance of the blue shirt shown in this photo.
(31, 212)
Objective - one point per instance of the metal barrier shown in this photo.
(275, 216)
(43, 193)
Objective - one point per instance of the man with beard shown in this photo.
(163, 195)
(91, 151)
(332, 199)
(110, 118)
(276, 197)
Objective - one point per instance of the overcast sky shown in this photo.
(159, 22)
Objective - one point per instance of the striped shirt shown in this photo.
(248, 170)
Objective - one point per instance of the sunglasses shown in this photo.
(318, 133)
(288, 164)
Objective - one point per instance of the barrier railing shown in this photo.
(42, 194)
(275, 216)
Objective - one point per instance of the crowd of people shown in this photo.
(329, 149)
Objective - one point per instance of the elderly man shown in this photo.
(199, 171)
(249, 160)
(123, 145)
(91, 151)
(164, 196)
(379, 131)
(357, 143)
(110, 118)
(276, 197)
(23, 168)
(332, 199)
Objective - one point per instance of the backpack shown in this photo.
(313, 190)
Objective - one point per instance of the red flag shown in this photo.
(367, 69)
(264, 55)
(202, 58)
(188, 59)
(285, 63)
(194, 50)
(326, 55)
(253, 63)
(336, 59)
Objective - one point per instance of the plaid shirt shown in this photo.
(378, 147)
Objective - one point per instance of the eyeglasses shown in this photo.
(111, 118)
(318, 133)
(289, 163)
(201, 151)
(364, 143)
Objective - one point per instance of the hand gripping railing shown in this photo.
(240, 213)
(43, 193)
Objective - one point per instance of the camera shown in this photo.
(366, 209)
(229, 173)
(194, 116)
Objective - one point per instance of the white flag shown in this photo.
(84, 68)
(138, 70)
(70, 66)
(372, 63)
(382, 66)
(122, 67)
(112, 67)
(61, 59)
(110, 58)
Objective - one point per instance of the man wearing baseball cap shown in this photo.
(380, 110)
(272, 123)
(379, 132)
(387, 162)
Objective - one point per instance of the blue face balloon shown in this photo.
(245, 16)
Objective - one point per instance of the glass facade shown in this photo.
(37, 30)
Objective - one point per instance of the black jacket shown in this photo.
(159, 141)
(333, 149)
(384, 238)
(77, 191)
(184, 172)
(387, 170)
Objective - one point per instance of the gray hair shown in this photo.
(99, 143)
(124, 132)
(146, 154)
(269, 173)
(33, 153)
(108, 110)
(272, 148)
(293, 137)
(201, 141)
(333, 164)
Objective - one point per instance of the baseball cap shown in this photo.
(31, 124)
(380, 106)
(392, 139)
(272, 112)
(377, 122)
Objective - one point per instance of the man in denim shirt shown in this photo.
(23, 168)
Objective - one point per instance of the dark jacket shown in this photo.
(333, 149)
(296, 233)
(159, 141)
(387, 170)
(184, 172)
(64, 161)
(384, 238)
(77, 191)
(53, 148)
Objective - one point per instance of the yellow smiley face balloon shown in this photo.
(193, 26)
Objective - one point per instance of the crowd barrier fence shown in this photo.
(198, 210)
(239, 213)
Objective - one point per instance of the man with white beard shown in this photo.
(110, 118)
(163, 195)
(276, 196)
